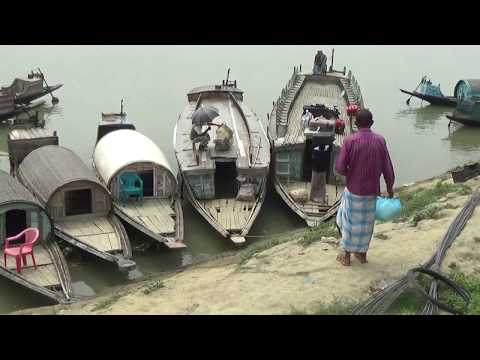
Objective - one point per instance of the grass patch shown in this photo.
(381, 236)
(314, 234)
(413, 203)
(106, 303)
(338, 307)
(258, 247)
(430, 212)
(153, 286)
(472, 284)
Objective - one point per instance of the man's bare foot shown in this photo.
(344, 258)
(362, 257)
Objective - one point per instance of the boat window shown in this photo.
(78, 202)
(16, 222)
(147, 178)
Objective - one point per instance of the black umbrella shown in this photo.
(204, 115)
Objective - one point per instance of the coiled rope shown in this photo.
(382, 300)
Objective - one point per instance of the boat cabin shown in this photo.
(128, 151)
(20, 210)
(112, 122)
(427, 88)
(467, 93)
(63, 182)
(22, 142)
(7, 103)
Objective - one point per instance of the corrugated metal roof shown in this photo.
(49, 167)
(12, 191)
(125, 147)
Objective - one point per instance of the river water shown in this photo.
(154, 80)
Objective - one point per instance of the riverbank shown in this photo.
(297, 272)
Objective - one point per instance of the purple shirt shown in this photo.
(363, 159)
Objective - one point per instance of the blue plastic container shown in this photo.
(387, 208)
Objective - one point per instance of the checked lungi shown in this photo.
(356, 219)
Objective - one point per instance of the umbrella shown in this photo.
(204, 115)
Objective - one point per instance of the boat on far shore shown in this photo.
(467, 111)
(430, 93)
(24, 91)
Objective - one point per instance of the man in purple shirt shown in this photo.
(363, 159)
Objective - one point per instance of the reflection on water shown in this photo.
(426, 118)
(464, 138)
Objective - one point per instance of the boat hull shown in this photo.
(434, 100)
(29, 98)
(464, 119)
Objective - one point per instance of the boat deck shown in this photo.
(157, 215)
(250, 147)
(333, 193)
(315, 91)
(44, 275)
(97, 232)
(233, 215)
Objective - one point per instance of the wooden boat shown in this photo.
(292, 146)
(216, 185)
(19, 210)
(25, 91)
(160, 214)
(80, 206)
(8, 108)
(431, 93)
(467, 111)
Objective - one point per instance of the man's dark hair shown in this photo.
(364, 118)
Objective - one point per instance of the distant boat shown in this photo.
(120, 150)
(79, 205)
(467, 111)
(226, 183)
(430, 93)
(297, 169)
(19, 210)
(25, 91)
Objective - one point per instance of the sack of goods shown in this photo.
(246, 193)
(224, 137)
(387, 208)
(322, 125)
(299, 195)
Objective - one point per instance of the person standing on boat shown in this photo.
(363, 159)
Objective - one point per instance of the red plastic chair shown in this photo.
(20, 251)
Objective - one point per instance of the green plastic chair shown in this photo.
(131, 185)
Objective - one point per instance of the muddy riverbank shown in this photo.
(297, 272)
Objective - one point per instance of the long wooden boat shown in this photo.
(217, 183)
(160, 214)
(19, 210)
(80, 206)
(25, 91)
(431, 93)
(292, 146)
(467, 111)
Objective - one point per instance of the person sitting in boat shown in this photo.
(198, 136)
(363, 159)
